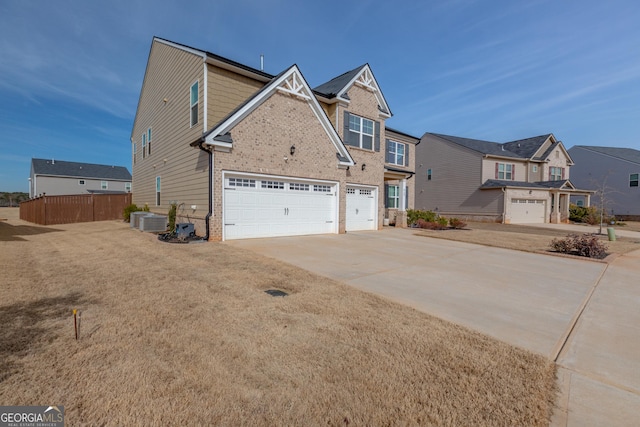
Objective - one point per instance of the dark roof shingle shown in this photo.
(79, 170)
(331, 88)
(628, 154)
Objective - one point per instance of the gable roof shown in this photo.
(525, 149)
(338, 87)
(291, 82)
(628, 154)
(79, 170)
(563, 184)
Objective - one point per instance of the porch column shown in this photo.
(555, 214)
(587, 201)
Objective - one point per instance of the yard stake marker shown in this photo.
(75, 322)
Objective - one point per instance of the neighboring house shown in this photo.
(612, 171)
(524, 181)
(56, 177)
(244, 153)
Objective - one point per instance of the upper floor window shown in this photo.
(535, 168)
(633, 180)
(144, 145)
(504, 171)
(362, 131)
(556, 173)
(429, 174)
(81, 182)
(134, 149)
(396, 153)
(194, 103)
(158, 187)
(104, 185)
(127, 187)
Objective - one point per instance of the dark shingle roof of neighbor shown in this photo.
(331, 88)
(80, 170)
(628, 154)
(496, 183)
(520, 149)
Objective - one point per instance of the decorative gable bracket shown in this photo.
(365, 80)
(294, 87)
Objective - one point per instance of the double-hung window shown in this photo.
(633, 179)
(104, 185)
(396, 153)
(149, 141)
(157, 191)
(556, 173)
(193, 103)
(393, 196)
(504, 171)
(361, 130)
(144, 145)
(134, 149)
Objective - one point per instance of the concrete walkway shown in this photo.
(529, 300)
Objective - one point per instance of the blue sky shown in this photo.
(71, 71)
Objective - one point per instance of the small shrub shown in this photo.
(413, 215)
(126, 212)
(457, 224)
(431, 225)
(172, 217)
(585, 245)
(442, 222)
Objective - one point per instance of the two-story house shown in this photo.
(613, 173)
(59, 177)
(524, 181)
(244, 153)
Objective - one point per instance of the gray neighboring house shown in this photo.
(523, 181)
(56, 177)
(617, 170)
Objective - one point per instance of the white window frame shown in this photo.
(104, 185)
(149, 141)
(356, 125)
(134, 149)
(395, 198)
(127, 187)
(507, 171)
(193, 105)
(397, 158)
(158, 190)
(535, 168)
(144, 145)
(555, 173)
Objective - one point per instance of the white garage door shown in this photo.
(527, 211)
(361, 208)
(256, 206)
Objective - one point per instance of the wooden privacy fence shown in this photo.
(51, 210)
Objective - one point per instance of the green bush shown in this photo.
(586, 245)
(126, 212)
(413, 215)
(457, 224)
(172, 217)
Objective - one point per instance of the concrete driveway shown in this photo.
(582, 314)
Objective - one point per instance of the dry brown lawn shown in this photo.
(185, 334)
(522, 237)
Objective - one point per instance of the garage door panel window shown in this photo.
(242, 182)
(296, 186)
(274, 185)
(322, 188)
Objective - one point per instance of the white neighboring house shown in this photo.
(55, 177)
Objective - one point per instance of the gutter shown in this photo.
(207, 218)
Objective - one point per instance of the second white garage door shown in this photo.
(527, 211)
(258, 206)
(362, 205)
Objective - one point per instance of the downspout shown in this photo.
(504, 203)
(208, 217)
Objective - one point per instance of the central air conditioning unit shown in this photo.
(134, 218)
(153, 223)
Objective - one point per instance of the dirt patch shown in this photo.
(185, 334)
(520, 237)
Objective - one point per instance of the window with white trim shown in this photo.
(633, 180)
(555, 173)
(104, 185)
(242, 182)
(193, 103)
(127, 187)
(144, 145)
(81, 182)
(396, 153)
(134, 149)
(393, 196)
(274, 185)
(149, 141)
(363, 130)
(298, 187)
(322, 188)
(505, 171)
(535, 168)
(158, 188)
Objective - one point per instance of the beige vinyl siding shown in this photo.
(489, 168)
(183, 169)
(226, 91)
(456, 179)
(53, 186)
